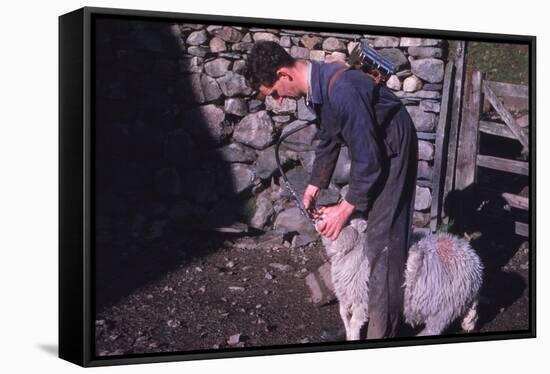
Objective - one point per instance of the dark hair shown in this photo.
(265, 58)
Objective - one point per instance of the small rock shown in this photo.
(332, 45)
(394, 83)
(197, 38)
(234, 339)
(412, 84)
(429, 69)
(268, 276)
(236, 288)
(281, 267)
(173, 323)
(386, 41)
(230, 265)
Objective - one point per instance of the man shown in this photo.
(355, 111)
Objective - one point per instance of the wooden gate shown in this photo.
(470, 107)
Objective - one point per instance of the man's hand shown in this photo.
(310, 196)
(335, 217)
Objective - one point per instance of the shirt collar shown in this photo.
(314, 95)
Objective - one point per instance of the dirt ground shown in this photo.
(211, 291)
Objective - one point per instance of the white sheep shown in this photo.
(443, 276)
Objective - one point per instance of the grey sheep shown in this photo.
(443, 277)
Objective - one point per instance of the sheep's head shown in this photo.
(347, 239)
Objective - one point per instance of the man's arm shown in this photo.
(359, 132)
(326, 156)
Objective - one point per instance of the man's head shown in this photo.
(272, 71)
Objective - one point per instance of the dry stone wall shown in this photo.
(186, 145)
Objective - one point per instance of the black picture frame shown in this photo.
(77, 193)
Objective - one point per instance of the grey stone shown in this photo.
(306, 159)
(179, 148)
(167, 182)
(242, 47)
(223, 213)
(213, 28)
(233, 84)
(423, 121)
(255, 105)
(281, 120)
(199, 50)
(299, 52)
(165, 67)
(425, 150)
(421, 219)
(285, 41)
(292, 220)
(196, 88)
(265, 164)
(287, 106)
(317, 55)
(304, 112)
(247, 38)
(311, 42)
(433, 86)
(210, 88)
(192, 26)
(336, 57)
(229, 34)
(183, 213)
(231, 55)
(428, 69)
(419, 42)
(430, 106)
(235, 152)
(255, 130)
(201, 187)
(299, 179)
(217, 44)
(239, 66)
(206, 120)
(386, 41)
(412, 84)
(423, 199)
(425, 171)
(334, 45)
(197, 38)
(304, 239)
(236, 106)
(425, 52)
(265, 36)
(301, 140)
(217, 67)
(418, 95)
(396, 56)
(191, 65)
(393, 83)
(242, 177)
(340, 35)
(264, 211)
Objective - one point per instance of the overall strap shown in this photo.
(335, 76)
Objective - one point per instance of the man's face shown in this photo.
(283, 87)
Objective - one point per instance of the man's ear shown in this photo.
(285, 72)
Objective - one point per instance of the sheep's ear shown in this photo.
(360, 225)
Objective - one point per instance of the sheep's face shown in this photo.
(347, 239)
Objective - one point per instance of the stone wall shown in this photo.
(181, 144)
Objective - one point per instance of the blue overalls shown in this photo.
(383, 149)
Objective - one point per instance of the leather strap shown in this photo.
(334, 77)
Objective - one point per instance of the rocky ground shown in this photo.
(211, 291)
